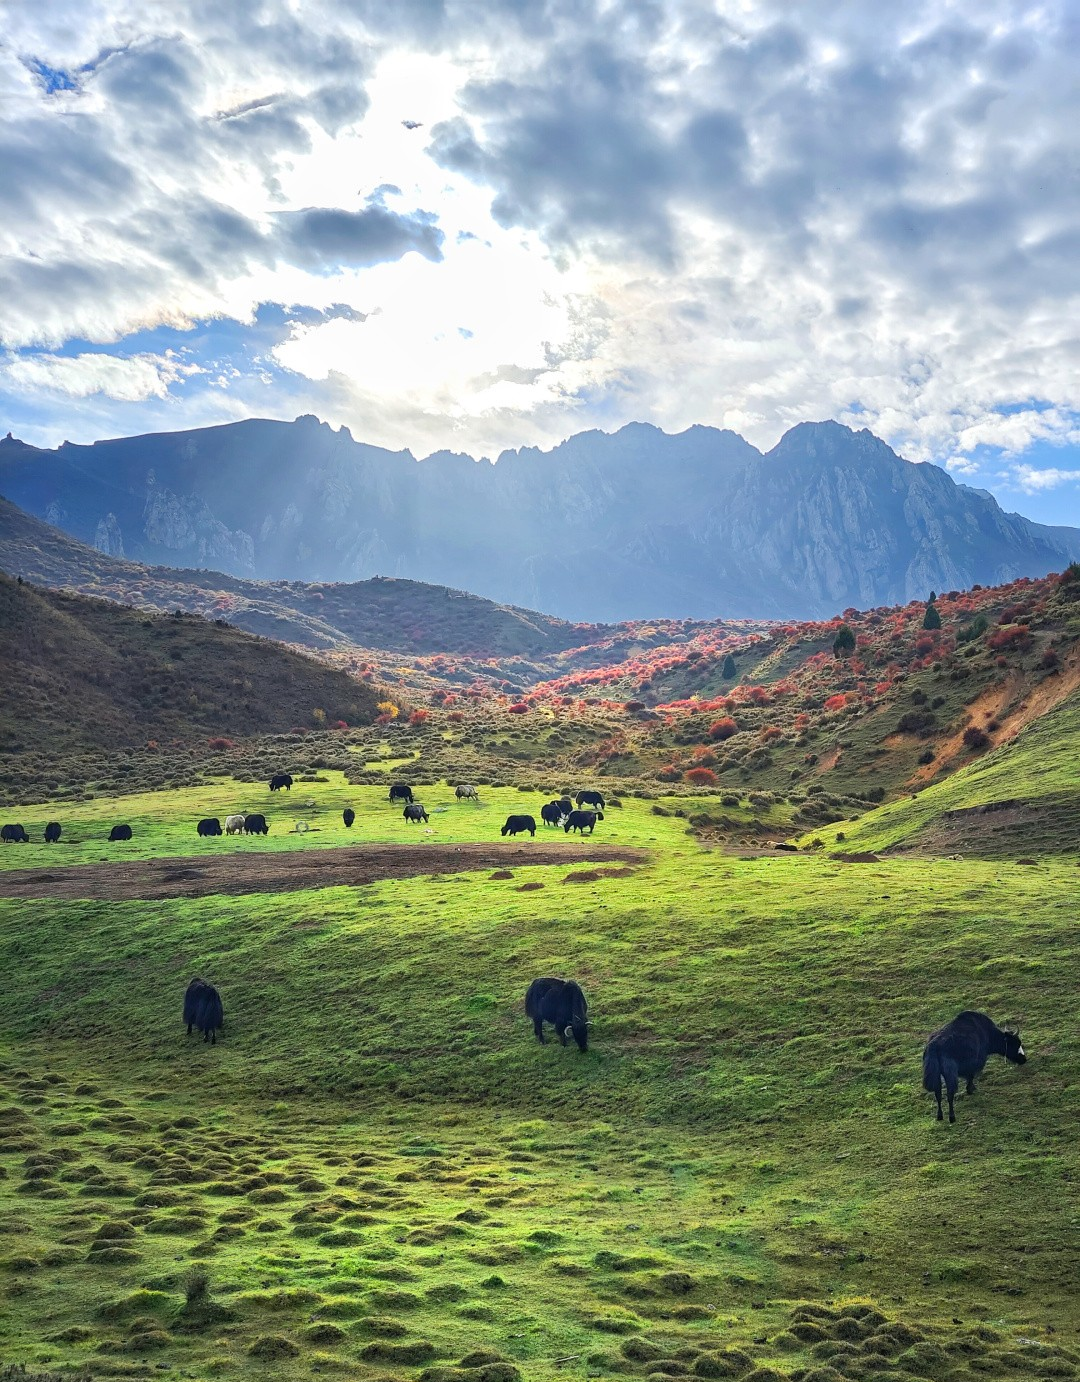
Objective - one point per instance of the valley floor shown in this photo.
(377, 1173)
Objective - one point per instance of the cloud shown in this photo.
(326, 237)
(673, 210)
(128, 380)
(1032, 480)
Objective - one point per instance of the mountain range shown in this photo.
(604, 527)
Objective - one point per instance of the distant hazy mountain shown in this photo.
(637, 524)
(391, 615)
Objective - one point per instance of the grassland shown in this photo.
(378, 1174)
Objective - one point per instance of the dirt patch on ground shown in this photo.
(236, 874)
(996, 829)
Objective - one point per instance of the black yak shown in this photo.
(348, 816)
(280, 780)
(401, 791)
(202, 1009)
(582, 820)
(52, 832)
(210, 825)
(415, 812)
(255, 825)
(562, 1003)
(14, 835)
(517, 825)
(960, 1050)
(551, 813)
(120, 832)
(591, 799)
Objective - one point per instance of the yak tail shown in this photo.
(931, 1069)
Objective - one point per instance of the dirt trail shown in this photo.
(153, 879)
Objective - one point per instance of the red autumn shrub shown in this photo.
(518, 708)
(837, 702)
(723, 729)
(383, 719)
(456, 716)
(1016, 636)
(419, 717)
(701, 777)
(704, 757)
(924, 644)
(671, 772)
(221, 743)
(1049, 660)
(771, 733)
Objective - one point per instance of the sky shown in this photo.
(454, 225)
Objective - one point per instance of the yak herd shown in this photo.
(555, 813)
(959, 1051)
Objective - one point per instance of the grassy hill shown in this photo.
(1023, 798)
(88, 675)
(378, 1174)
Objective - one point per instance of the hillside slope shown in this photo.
(1024, 798)
(637, 524)
(84, 674)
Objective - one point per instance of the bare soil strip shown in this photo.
(153, 879)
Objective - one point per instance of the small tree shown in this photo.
(931, 619)
(728, 669)
(844, 642)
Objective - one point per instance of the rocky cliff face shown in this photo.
(603, 527)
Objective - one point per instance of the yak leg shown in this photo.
(538, 1028)
(951, 1081)
(971, 1087)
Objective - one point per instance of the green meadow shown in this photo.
(378, 1173)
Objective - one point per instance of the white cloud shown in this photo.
(129, 379)
(1032, 479)
(746, 215)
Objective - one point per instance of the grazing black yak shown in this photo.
(120, 832)
(348, 816)
(551, 813)
(255, 825)
(209, 826)
(14, 835)
(591, 799)
(52, 832)
(415, 812)
(960, 1050)
(280, 780)
(517, 825)
(562, 1003)
(202, 1009)
(582, 820)
(401, 791)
